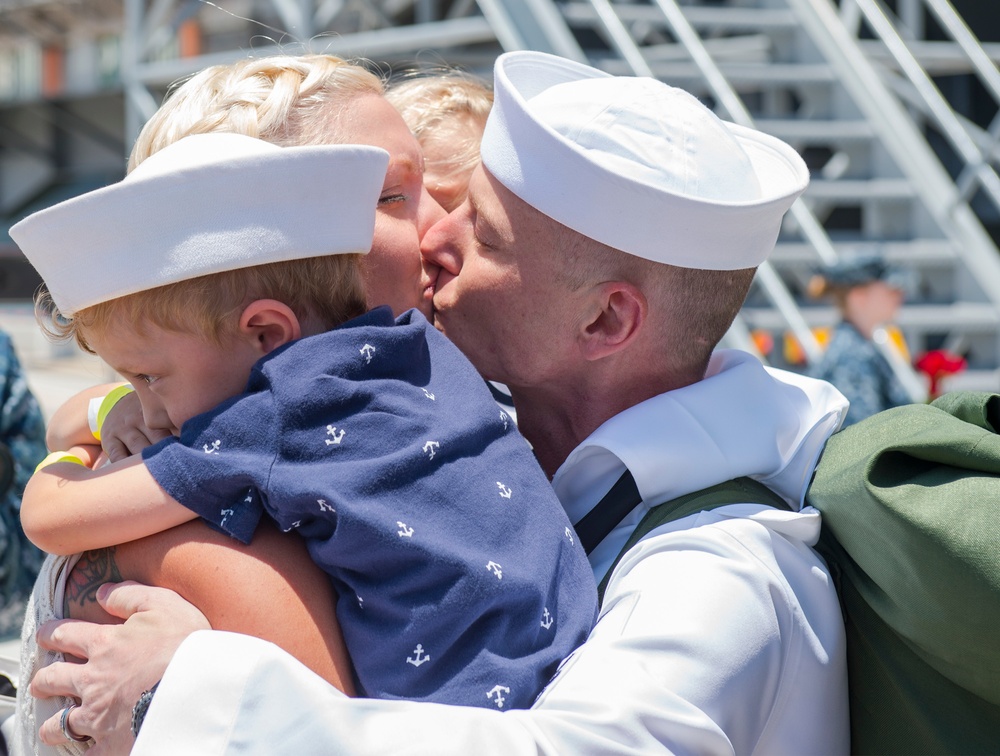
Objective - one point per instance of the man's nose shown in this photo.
(439, 248)
(429, 212)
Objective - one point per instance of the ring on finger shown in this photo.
(64, 725)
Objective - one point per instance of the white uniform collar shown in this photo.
(742, 420)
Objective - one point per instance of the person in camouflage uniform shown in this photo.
(22, 446)
(868, 293)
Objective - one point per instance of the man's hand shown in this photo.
(124, 432)
(120, 662)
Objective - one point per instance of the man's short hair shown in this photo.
(691, 309)
(698, 307)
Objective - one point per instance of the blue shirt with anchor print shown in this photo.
(459, 577)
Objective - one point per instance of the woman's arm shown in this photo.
(270, 589)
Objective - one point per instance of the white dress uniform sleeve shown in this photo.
(697, 651)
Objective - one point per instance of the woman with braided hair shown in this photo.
(289, 101)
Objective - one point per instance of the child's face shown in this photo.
(176, 375)
(445, 179)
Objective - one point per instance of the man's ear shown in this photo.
(618, 315)
(269, 324)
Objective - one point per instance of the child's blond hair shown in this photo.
(328, 290)
(440, 107)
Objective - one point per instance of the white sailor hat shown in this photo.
(636, 164)
(205, 204)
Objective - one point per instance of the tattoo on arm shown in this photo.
(94, 569)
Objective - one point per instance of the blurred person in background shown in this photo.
(22, 446)
(868, 293)
(447, 114)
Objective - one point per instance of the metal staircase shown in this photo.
(851, 86)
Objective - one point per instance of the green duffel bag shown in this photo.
(911, 531)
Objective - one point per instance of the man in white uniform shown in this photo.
(608, 241)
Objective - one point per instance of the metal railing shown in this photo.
(903, 140)
(977, 170)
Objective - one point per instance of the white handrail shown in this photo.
(977, 164)
(902, 140)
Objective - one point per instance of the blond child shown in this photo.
(221, 279)
(447, 114)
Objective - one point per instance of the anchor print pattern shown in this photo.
(419, 657)
(496, 695)
(419, 449)
(547, 619)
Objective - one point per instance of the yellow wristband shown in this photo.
(59, 456)
(113, 397)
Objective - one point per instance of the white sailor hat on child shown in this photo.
(636, 164)
(205, 204)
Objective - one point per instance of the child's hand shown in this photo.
(124, 433)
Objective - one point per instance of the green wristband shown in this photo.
(58, 456)
(113, 397)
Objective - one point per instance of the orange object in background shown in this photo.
(792, 350)
(189, 39)
(763, 340)
(53, 71)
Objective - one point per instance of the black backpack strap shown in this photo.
(738, 491)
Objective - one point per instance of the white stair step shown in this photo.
(861, 189)
(705, 18)
(917, 252)
(808, 131)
